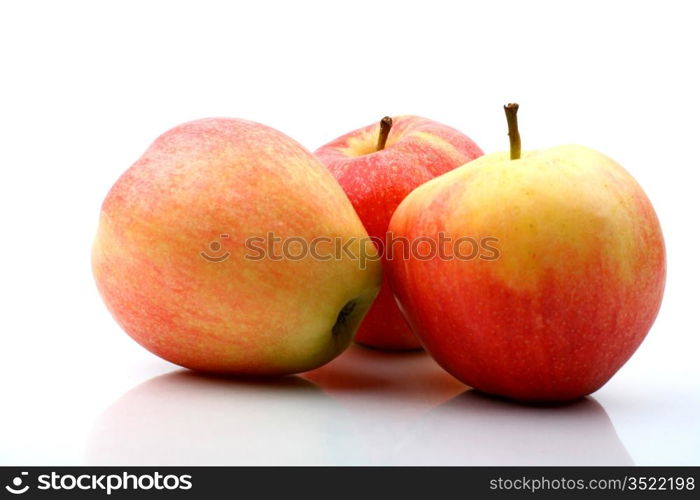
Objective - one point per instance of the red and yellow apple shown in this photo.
(576, 287)
(173, 261)
(377, 166)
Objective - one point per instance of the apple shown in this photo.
(572, 290)
(184, 261)
(377, 166)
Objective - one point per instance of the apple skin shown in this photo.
(577, 286)
(241, 316)
(417, 150)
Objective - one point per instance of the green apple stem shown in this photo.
(384, 128)
(513, 133)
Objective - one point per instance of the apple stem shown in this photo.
(384, 128)
(511, 110)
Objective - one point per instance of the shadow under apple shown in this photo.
(188, 418)
(476, 429)
(384, 394)
(412, 379)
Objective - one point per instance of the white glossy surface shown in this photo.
(87, 86)
(366, 407)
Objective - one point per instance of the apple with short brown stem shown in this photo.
(378, 165)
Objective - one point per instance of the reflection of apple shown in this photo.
(186, 418)
(384, 393)
(474, 429)
(173, 263)
(412, 380)
(378, 166)
(577, 285)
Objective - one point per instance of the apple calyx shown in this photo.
(511, 110)
(384, 128)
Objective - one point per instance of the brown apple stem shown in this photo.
(384, 128)
(513, 133)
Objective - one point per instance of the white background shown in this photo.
(86, 86)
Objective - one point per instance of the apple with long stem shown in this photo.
(576, 288)
(377, 166)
